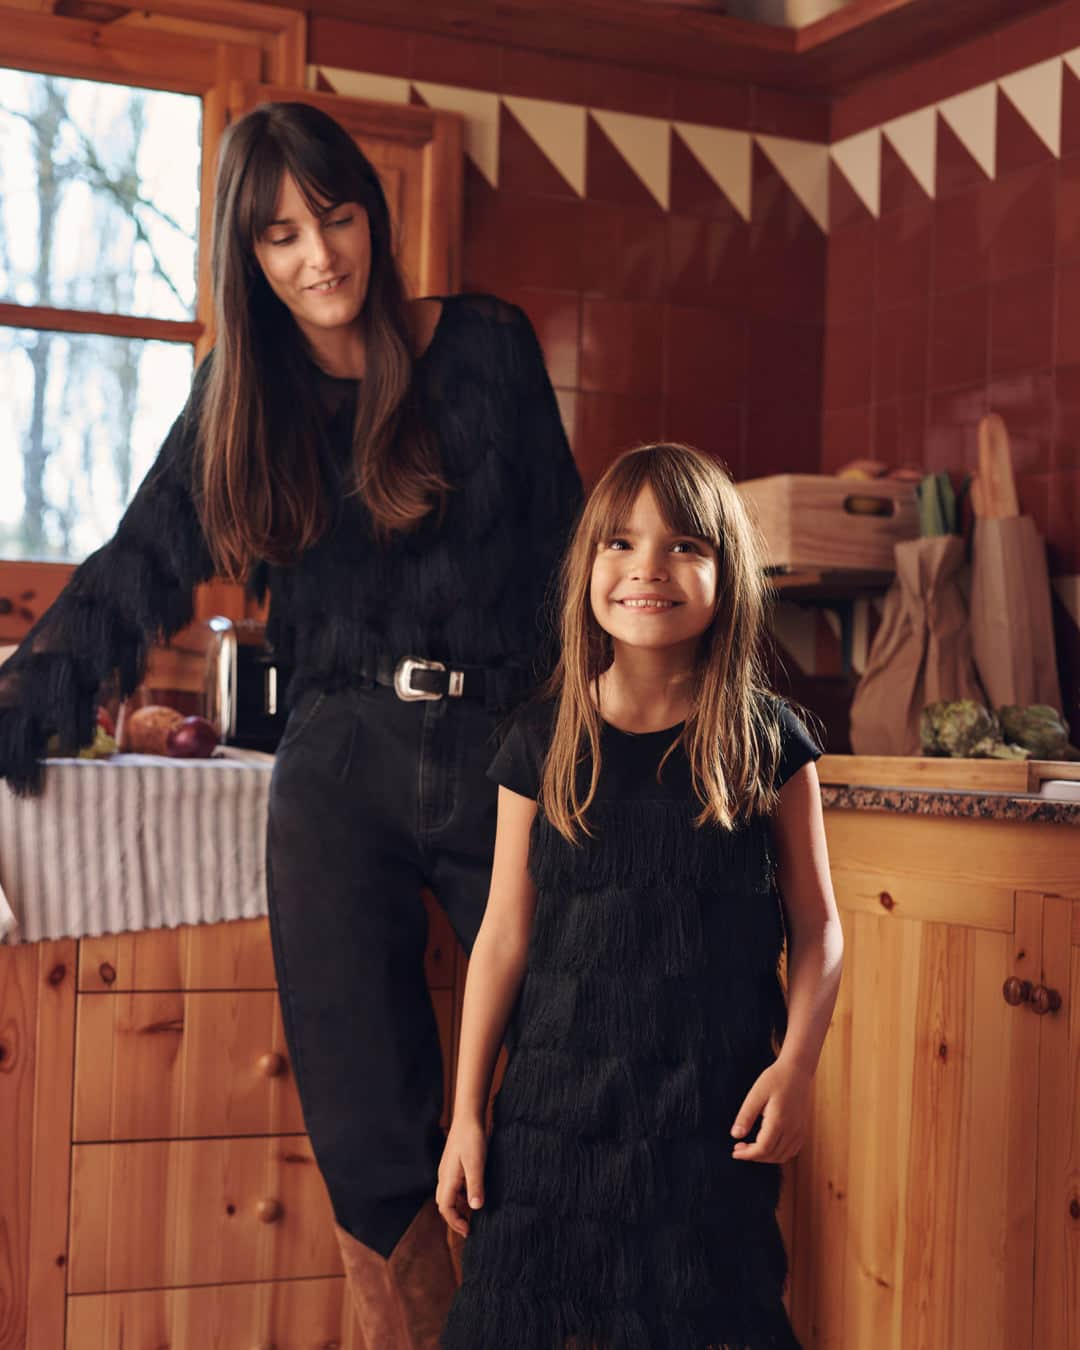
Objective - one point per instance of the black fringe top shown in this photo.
(468, 589)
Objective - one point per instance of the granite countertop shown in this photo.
(953, 804)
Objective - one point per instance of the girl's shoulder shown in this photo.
(524, 740)
(799, 744)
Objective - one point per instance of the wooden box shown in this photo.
(812, 521)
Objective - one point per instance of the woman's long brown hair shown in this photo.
(262, 492)
(732, 743)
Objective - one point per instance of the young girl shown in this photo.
(659, 831)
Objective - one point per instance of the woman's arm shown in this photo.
(496, 970)
(814, 958)
(136, 588)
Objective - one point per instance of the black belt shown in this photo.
(414, 678)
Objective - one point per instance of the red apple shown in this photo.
(105, 722)
(193, 738)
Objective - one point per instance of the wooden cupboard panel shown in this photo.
(175, 1065)
(1057, 1243)
(442, 946)
(913, 897)
(206, 1211)
(285, 1314)
(210, 956)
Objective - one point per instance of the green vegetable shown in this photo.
(1039, 728)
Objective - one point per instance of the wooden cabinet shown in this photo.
(161, 1188)
(933, 1205)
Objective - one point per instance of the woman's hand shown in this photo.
(461, 1174)
(781, 1096)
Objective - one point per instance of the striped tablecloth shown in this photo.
(134, 842)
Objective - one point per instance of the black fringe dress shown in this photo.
(615, 1215)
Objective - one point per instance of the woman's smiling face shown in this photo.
(317, 265)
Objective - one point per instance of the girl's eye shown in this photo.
(618, 543)
(688, 544)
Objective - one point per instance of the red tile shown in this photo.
(530, 74)
(628, 89)
(900, 350)
(1063, 537)
(779, 220)
(1022, 322)
(523, 166)
(696, 419)
(775, 112)
(625, 251)
(899, 186)
(1033, 493)
(849, 350)
(957, 169)
(900, 431)
(846, 207)
(709, 260)
(557, 319)
(1026, 403)
(962, 67)
(961, 244)
(693, 192)
(608, 424)
(482, 229)
(622, 345)
(1026, 42)
(540, 241)
(959, 329)
(1017, 145)
(446, 60)
(786, 362)
(1066, 449)
(1070, 112)
(1067, 233)
(850, 273)
(322, 84)
(568, 409)
(712, 103)
(782, 437)
(789, 283)
(845, 435)
(904, 254)
(359, 46)
(952, 422)
(608, 177)
(1068, 316)
(706, 352)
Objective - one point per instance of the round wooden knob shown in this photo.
(1016, 991)
(272, 1065)
(1044, 1000)
(269, 1211)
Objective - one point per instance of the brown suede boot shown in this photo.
(402, 1300)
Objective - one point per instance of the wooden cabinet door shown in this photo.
(915, 1195)
(1057, 1245)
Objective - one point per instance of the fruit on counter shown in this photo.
(907, 473)
(192, 738)
(146, 730)
(964, 729)
(1039, 728)
(863, 468)
(101, 747)
(104, 720)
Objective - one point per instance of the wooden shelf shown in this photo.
(822, 585)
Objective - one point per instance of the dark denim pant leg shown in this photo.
(365, 793)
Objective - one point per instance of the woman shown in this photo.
(396, 476)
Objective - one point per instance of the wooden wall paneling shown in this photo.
(182, 1065)
(1057, 1243)
(232, 955)
(198, 1211)
(284, 1313)
(904, 895)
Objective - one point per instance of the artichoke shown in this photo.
(1039, 728)
(956, 727)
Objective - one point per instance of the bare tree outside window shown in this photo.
(99, 198)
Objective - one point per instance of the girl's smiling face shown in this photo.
(317, 264)
(652, 587)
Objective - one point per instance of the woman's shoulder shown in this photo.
(483, 319)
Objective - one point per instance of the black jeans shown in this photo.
(371, 799)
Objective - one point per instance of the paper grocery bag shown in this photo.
(1012, 627)
(922, 649)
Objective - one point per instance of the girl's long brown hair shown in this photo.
(731, 741)
(262, 492)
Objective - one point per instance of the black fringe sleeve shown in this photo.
(133, 590)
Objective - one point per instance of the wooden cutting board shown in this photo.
(964, 775)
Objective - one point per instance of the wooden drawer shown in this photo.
(199, 1211)
(174, 1065)
(287, 1314)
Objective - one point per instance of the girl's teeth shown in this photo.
(647, 604)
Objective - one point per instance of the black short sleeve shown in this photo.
(797, 745)
(519, 761)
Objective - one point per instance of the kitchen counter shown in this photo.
(953, 804)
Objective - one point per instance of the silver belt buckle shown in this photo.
(403, 679)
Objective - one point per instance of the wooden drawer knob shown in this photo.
(272, 1065)
(1044, 1000)
(1016, 991)
(269, 1211)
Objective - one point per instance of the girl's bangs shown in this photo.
(688, 504)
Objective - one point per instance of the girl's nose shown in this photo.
(649, 566)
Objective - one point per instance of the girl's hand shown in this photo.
(781, 1096)
(461, 1174)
